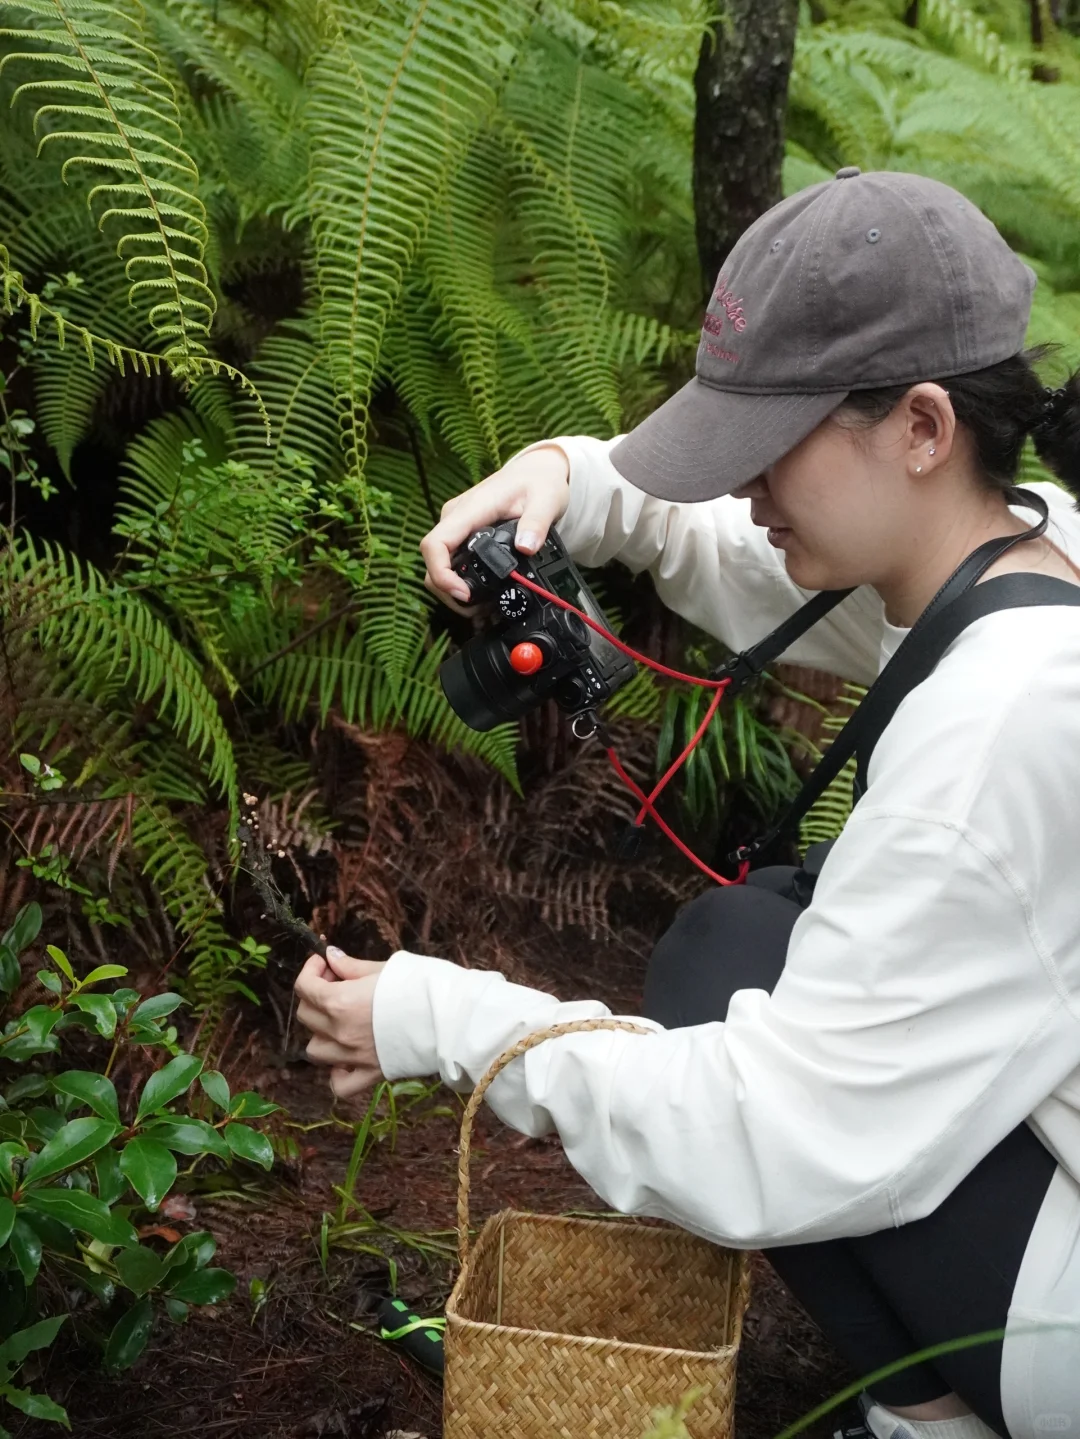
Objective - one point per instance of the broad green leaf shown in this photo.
(194, 1251)
(169, 1082)
(26, 928)
(26, 1249)
(30, 1086)
(80, 1210)
(90, 1088)
(53, 1234)
(37, 1406)
(139, 1268)
(205, 1286)
(43, 1123)
(99, 1285)
(7, 1219)
(38, 1336)
(104, 971)
(10, 1150)
(52, 982)
(157, 1007)
(10, 972)
(101, 1009)
(249, 1144)
(176, 1309)
(250, 1105)
(188, 1136)
(216, 1087)
(60, 959)
(37, 1023)
(150, 1169)
(128, 1339)
(200, 1245)
(75, 1143)
(111, 1183)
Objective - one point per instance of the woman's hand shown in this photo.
(533, 488)
(336, 996)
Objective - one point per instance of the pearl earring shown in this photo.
(918, 469)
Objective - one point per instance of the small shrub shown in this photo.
(77, 1163)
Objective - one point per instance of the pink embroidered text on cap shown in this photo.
(732, 306)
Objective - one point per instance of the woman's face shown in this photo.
(846, 506)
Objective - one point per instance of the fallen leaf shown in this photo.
(161, 1231)
(178, 1206)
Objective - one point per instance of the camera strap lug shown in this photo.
(587, 725)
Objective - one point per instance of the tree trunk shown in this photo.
(741, 84)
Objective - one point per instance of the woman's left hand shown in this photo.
(336, 996)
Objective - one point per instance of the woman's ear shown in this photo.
(931, 427)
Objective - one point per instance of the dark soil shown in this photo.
(306, 1364)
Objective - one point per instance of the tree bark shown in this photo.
(741, 85)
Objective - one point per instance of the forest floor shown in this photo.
(305, 1362)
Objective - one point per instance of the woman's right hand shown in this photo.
(533, 488)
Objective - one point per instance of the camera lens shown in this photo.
(464, 695)
(482, 685)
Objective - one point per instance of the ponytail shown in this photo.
(1056, 433)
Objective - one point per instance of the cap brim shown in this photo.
(705, 442)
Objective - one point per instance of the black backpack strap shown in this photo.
(957, 604)
(751, 663)
(1004, 592)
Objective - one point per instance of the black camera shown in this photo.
(534, 650)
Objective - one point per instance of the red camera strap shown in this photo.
(648, 800)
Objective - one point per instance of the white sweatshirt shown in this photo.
(931, 996)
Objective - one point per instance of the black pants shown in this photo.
(878, 1297)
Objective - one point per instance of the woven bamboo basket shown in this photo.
(580, 1327)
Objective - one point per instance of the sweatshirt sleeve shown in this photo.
(914, 1026)
(709, 563)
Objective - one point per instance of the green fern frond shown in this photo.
(828, 815)
(109, 636)
(334, 668)
(249, 130)
(642, 699)
(14, 292)
(103, 98)
(292, 378)
(68, 387)
(375, 178)
(976, 37)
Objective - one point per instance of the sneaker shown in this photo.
(871, 1421)
(852, 1425)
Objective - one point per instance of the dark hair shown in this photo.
(1001, 406)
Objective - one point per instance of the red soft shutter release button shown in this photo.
(526, 658)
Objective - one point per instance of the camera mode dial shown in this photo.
(514, 602)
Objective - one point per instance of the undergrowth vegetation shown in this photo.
(276, 281)
(279, 280)
(80, 1160)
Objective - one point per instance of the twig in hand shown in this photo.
(262, 877)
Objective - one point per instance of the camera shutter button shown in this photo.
(526, 658)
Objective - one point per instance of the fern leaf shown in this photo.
(113, 636)
(104, 101)
(375, 177)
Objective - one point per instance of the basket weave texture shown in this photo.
(580, 1327)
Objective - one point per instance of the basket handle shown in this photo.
(530, 1041)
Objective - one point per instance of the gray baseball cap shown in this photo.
(857, 282)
